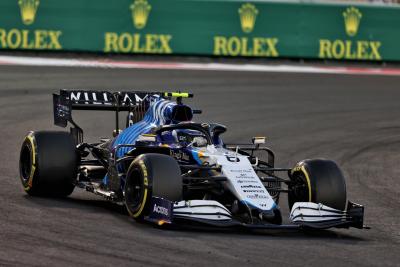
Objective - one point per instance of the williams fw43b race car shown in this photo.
(167, 169)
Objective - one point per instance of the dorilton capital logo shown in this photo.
(352, 17)
(140, 13)
(248, 14)
(28, 10)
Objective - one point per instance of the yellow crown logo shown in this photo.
(28, 10)
(140, 13)
(352, 17)
(248, 14)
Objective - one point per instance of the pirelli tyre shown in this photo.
(318, 181)
(48, 164)
(151, 175)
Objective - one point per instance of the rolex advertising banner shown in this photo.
(203, 27)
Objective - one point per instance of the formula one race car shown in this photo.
(167, 169)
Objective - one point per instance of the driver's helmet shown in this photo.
(185, 137)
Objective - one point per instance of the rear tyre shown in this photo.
(318, 181)
(151, 175)
(48, 164)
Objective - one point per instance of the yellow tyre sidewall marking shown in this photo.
(146, 184)
(303, 169)
(27, 187)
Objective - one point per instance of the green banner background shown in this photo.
(201, 27)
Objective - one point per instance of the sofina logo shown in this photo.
(28, 10)
(353, 48)
(248, 14)
(352, 17)
(140, 13)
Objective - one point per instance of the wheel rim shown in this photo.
(298, 189)
(134, 190)
(26, 163)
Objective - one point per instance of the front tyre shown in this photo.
(48, 164)
(318, 181)
(151, 175)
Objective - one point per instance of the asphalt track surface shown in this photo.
(354, 120)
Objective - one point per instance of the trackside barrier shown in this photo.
(203, 27)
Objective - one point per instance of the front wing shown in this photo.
(304, 215)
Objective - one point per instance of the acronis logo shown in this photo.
(160, 210)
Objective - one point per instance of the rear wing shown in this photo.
(136, 102)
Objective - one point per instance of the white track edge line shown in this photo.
(60, 62)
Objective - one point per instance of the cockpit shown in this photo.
(191, 134)
(185, 137)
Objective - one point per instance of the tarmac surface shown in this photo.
(354, 120)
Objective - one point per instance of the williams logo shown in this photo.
(243, 45)
(127, 42)
(352, 17)
(27, 38)
(350, 49)
(248, 14)
(140, 13)
(28, 10)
